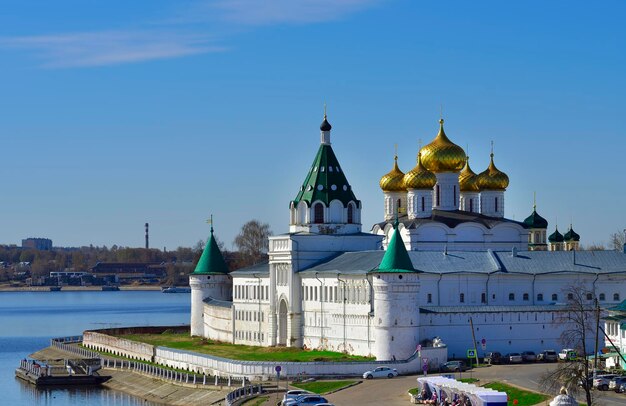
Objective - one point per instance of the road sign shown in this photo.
(278, 368)
(471, 353)
(483, 344)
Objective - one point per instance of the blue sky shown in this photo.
(115, 113)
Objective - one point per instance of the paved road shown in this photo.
(393, 392)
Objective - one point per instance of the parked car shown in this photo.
(453, 366)
(616, 383)
(548, 356)
(567, 354)
(292, 394)
(493, 358)
(380, 372)
(602, 381)
(513, 358)
(306, 400)
(529, 356)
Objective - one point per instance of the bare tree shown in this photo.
(578, 321)
(252, 241)
(617, 240)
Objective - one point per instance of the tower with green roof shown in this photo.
(571, 240)
(555, 240)
(537, 229)
(325, 203)
(396, 287)
(209, 280)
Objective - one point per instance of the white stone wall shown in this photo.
(415, 209)
(218, 323)
(488, 199)
(449, 194)
(470, 201)
(118, 346)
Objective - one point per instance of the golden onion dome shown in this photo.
(394, 180)
(468, 180)
(442, 155)
(492, 178)
(419, 177)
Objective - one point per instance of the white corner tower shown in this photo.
(396, 303)
(210, 279)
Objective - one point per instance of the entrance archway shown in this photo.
(282, 323)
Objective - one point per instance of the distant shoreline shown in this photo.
(74, 288)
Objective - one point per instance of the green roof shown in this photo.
(325, 181)
(211, 262)
(571, 235)
(620, 307)
(535, 220)
(556, 236)
(396, 258)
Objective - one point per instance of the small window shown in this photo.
(423, 204)
(483, 296)
(511, 296)
(570, 296)
(589, 296)
(318, 210)
(437, 194)
(462, 297)
(540, 297)
(399, 203)
(616, 296)
(525, 297)
(602, 297)
(496, 204)
(429, 298)
(555, 296)
(471, 206)
(350, 214)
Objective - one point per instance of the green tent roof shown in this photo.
(325, 181)
(620, 307)
(535, 220)
(396, 258)
(211, 262)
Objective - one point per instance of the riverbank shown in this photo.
(146, 387)
(8, 288)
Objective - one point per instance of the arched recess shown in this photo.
(469, 232)
(508, 233)
(336, 212)
(351, 214)
(302, 211)
(282, 322)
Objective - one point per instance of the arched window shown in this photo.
(483, 298)
(616, 296)
(423, 204)
(555, 296)
(471, 208)
(350, 214)
(511, 296)
(496, 204)
(602, 296)
(318, 214)
(540, 297)
(462, 297)
(570, 296)
(525, 296)
(454, 194)
(399, 203)
(589, 296)
(437, 194)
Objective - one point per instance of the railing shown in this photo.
(172, 375)
(242, 393)
(64, 343)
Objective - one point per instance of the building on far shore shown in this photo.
(129, 271)
(42, 244)
(443, 256)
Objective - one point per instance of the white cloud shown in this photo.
(267, 12)
(110, 47)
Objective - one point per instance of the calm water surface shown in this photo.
(29, 319)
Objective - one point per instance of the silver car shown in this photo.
(306, 400)
(292, 394)
(380, 372)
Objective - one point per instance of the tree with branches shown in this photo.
(252, 242)
(617, 240)
(579, 321)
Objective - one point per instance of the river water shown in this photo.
(29, 319)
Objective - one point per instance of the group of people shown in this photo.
(432, 399)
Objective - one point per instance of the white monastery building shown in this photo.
(443, 254)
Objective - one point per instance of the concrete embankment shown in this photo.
(145, 387)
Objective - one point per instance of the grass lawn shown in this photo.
(525, 398)
(183, 341)
(323, 387)
(469, 380)
(261, 400)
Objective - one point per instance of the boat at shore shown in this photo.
(63, 373)
(110, 288)
(174, 289)
(55, 288)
